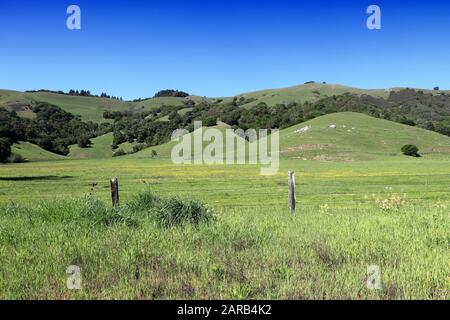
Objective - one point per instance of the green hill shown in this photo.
(89, 108)
(164, 150)
(307, 92)
(356, 137)
(92, 108)
(100, 148)
(32, 152)
(311, 92)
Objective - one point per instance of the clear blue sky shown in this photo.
(221, 48)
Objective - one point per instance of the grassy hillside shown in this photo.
(89, 108)
(31, 152)
(92, 108)
(307, 92)
(356, 137)
(14, 100)
(310, 92)
(100, 148)
(164, 150)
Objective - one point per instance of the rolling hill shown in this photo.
(312, 92)
(89, 108)
(344, 136)
(34, 153)
(92, 108)
(100, 148)
(356, 137)
(307, 92)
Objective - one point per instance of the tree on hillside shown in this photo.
(175, 118)
(5, 149)
(84, 141)
(171, 93)
(410, 150)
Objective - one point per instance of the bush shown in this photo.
(119, 153)
(139, 147)
(5, 149)
(153, 154)
(172, 212)
(84, 142)
(144, 202)
(410, 150)
(16, 158)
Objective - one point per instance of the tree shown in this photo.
(84, 141)
(410, 150)
(5, 149)
(119, 153)
(119, 138)
(171, 93)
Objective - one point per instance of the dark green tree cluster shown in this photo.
(79, 93)
(171, 93)
(53, 129)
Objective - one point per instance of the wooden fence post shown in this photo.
(115, 192)
(292, 197)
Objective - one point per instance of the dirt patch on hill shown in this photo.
(20, 107)
(308, 147)
(439, 150)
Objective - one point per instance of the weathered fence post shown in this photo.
(115, 191)
(292, 197)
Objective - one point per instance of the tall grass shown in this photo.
(255, 253)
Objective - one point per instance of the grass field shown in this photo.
(360, 203)
(348, 218)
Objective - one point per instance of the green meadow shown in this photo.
(360, 203)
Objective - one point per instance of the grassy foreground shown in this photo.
(392, 213)
(258, 253)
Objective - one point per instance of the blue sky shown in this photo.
(221, 48)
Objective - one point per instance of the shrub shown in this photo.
(16, 158)
(139, 147)
(153, 154)
(119, 153)
(410, 150)
(5, 149)
(84, 141)
(144, 202)
(172, 212)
